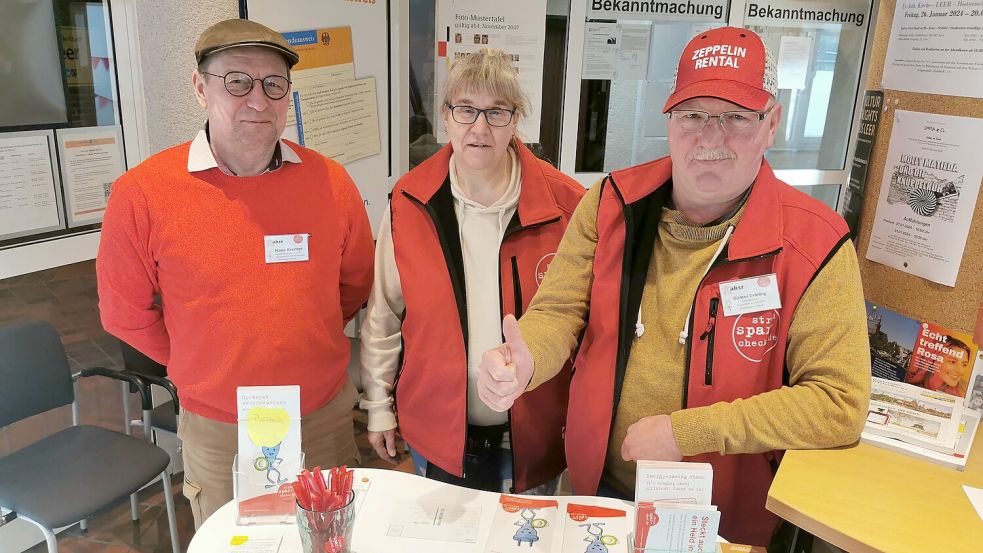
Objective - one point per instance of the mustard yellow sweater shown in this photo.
(828, 354)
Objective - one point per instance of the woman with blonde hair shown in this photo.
(467, 238)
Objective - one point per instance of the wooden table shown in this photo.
(863, 498)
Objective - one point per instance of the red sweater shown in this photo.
(230, 319)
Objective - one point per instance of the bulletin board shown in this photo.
(373, 49)
(955, 307)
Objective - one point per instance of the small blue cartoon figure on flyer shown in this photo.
(598, 543)
(527, 527)
(269, 462)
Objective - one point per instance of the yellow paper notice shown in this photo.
(267, 426)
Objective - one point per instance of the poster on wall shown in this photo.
(936, 48)
(330, 110)
(91, 160)
(372, 64)
(516, 26)
(928, 195)
(29, 197)
(870, 118)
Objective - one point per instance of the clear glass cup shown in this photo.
(327, 531)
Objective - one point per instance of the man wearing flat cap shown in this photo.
(718, 311)
(259, 251)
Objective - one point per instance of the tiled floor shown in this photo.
(114, 532)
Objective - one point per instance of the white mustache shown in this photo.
(711, 155)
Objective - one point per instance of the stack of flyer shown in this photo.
(912, 420)
(927, 388)
(674, 511)
(601, 528)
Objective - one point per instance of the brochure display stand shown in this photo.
(256, 500)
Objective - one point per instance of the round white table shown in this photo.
(387, 489)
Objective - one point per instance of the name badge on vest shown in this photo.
(750, 295)
(286, 248)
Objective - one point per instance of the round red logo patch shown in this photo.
(763, 281)
(542, 265)
(755, 334)
(298, 238)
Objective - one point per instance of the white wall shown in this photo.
(167, 33)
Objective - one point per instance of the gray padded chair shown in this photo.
(163, 417)
(77, 472)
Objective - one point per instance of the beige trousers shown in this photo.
(209, 447)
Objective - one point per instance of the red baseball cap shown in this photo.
(729, 63)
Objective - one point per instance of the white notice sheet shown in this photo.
(91, 160)
(793, 61)
(616, 51)
(337, 118)
(936, 48)
(28, 195)
(928, 194)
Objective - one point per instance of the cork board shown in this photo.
(908, 294)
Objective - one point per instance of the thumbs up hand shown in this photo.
(505, 371)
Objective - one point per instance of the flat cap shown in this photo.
(233, 33)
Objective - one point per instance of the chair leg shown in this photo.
(171, 518)
(84, 525)
(49, 536)
(135, 507)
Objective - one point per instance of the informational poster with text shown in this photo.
(29, 199)
(91, 160)
(928, 195)
(936, 48)
(516, 26)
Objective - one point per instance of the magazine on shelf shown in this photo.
(925, 354)
(956, 460)
(915, 415)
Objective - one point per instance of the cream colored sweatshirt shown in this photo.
(481, 229)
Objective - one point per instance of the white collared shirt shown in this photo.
(201, 158)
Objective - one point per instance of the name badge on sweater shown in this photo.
(285, 248)
(750, 295)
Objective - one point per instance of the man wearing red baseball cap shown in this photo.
(716, 312)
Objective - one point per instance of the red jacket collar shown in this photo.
(536, 201)
(758, 232)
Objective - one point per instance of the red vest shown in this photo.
(782, 231)
(431, 387)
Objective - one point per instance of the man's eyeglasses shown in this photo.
(691, 120)
(240, 84)
(495, 117)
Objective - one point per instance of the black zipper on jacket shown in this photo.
(517, 301)
(399, 366)
(708, 336)
(721, 260)
(516, 288)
